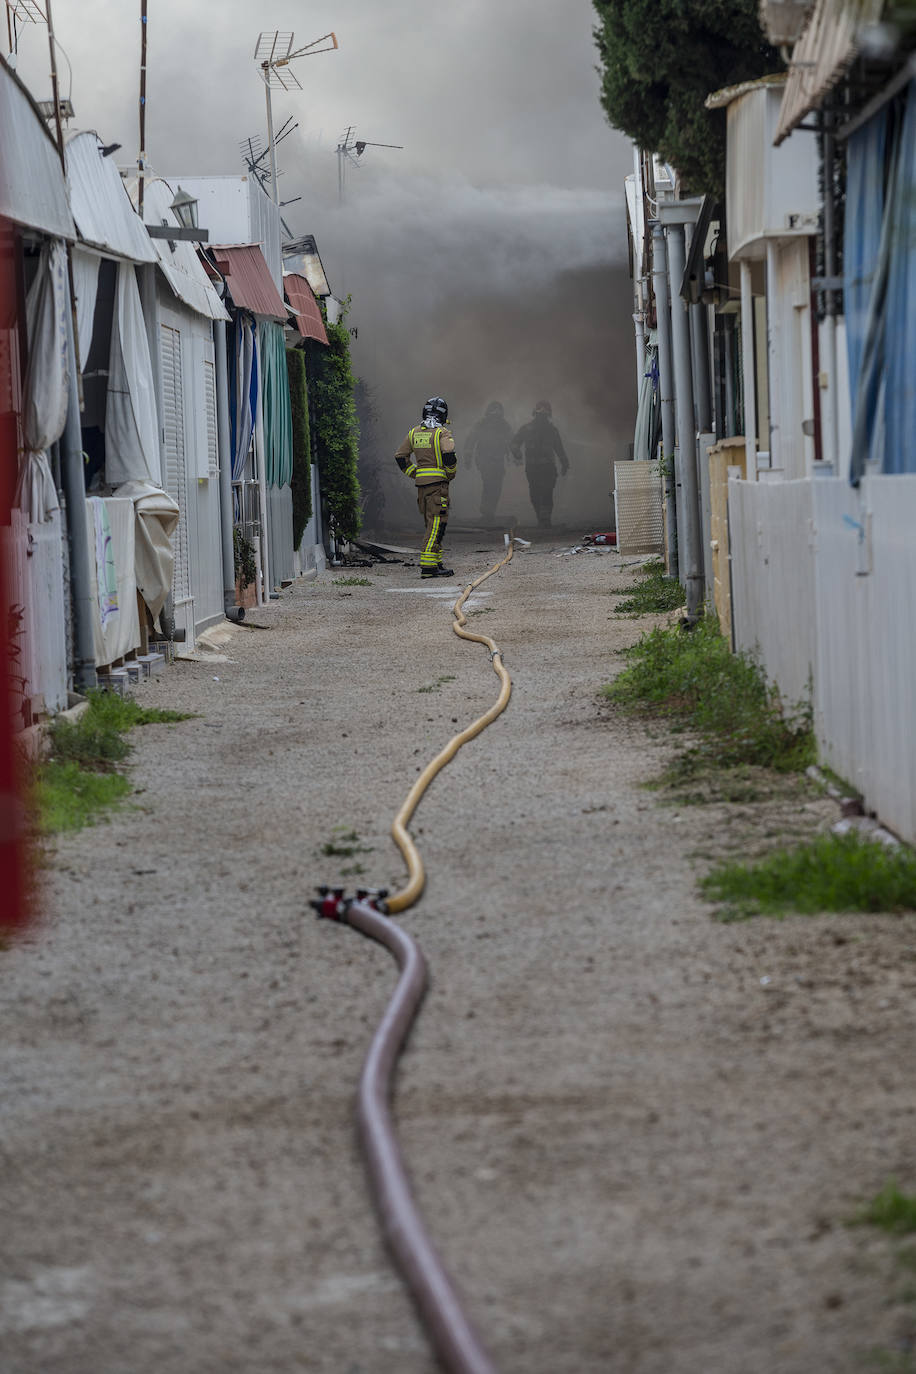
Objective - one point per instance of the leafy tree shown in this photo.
(660, 59)
(337, 431)
(302, 444)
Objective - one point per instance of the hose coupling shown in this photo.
(332, 902)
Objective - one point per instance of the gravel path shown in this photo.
(635, 1155)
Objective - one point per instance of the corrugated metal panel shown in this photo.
(179, 263)
(304, 306)
(249, 280)
(822, 54)
(638, 506)
(176, 480)
(101, 206)
(33, 191)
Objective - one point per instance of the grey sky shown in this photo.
(490, 90)
(485, 260)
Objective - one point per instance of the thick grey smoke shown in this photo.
(480, 294)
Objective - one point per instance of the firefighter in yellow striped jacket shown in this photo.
(428, 456)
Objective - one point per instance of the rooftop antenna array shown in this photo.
(350, 149)
(21, 12)
(274, 52)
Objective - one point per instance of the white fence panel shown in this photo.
(773, 602)
(824, 583)
(866, 601)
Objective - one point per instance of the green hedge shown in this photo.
(336, 431)
(302, 444)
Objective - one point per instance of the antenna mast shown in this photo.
(141, 161)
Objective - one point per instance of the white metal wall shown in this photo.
(773, 613)
(823, 579)
(35, 615)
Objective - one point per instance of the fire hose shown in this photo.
(449, 1329)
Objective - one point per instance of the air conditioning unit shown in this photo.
(783, 20)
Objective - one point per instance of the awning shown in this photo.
(823, 53)
(33, 192)
(101, 206)
(248, 277)
(304, 306)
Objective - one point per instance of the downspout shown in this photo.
(224, 445)
(74, 489)
(829, 407)
(665, 388)
(691, 561)
(747, 361)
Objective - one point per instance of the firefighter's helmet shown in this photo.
(543, 407)
(436, 408)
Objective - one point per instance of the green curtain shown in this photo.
(278, 419)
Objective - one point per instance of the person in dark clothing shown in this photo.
(540, 441)
(488, 446)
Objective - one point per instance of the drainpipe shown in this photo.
(74, 489)
(691, 554)
(233, 612)
(665, 387)
(747, 349)
(775, 346)
(699, 339)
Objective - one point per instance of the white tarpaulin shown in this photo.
(85, 288)
(116, 624)
(156, 518)
(131, 421)
(44, 411)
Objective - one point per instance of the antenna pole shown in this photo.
(141, 161)
(270, 134)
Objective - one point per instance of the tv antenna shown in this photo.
(21, 12)
(274, 52)
(255, 153)
(350, 149)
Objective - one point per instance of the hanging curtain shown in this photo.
(131, 418)
(648, 410)
(46, 389)
(884, 403)
(86, 289)
(243, 393)
(278, 417)
(900, 395)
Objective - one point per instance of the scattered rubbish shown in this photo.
(216, 679)
(765, 981)
(609, 537)
(581, 548)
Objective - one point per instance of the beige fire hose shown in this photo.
(440, 1308)
(400, 901)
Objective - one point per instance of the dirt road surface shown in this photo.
(637, 1134)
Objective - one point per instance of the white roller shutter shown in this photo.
(176, 483)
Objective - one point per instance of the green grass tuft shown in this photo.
(831, 873)
(696, 682)
(654, 593)
(352, 581)
(78, 779)
(892, 1210)
(69, 797)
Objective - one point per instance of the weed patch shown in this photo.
(653, 593)
(352, 581)
(831, 873)
(892, 1210)
(344, 844)
(440, 681)
(694, 681)
(79, 779)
